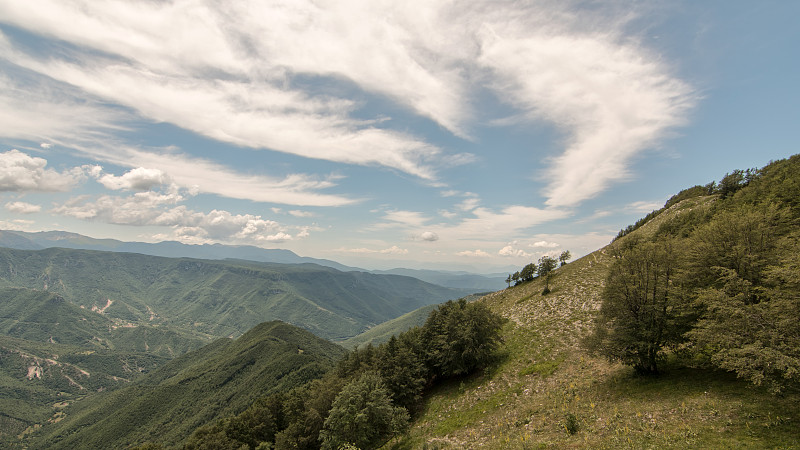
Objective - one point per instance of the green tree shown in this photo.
(642, 311)
(546, 266)
(404, 372)
(752, 329)
(363, 415)
(564, 257)
(528, 272)
(460, 337)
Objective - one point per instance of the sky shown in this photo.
(451, 135)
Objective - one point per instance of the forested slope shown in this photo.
(199, 387)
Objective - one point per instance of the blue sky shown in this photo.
(475, 135)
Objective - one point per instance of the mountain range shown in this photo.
(49, 239)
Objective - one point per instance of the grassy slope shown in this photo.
(218, 380)
(383, 332)
(545, 376)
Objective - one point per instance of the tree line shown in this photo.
(373, 392)
(544, 269)
(715, 286)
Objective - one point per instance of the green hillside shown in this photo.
(43, 316)
(53, 352)
(220, 379)
(37, 380)
(550, 392)
(218, 298)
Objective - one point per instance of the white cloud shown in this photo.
(17, 225)
(609, 96)
(511, 220)
(278, 237)
(393, 250)
(644, 207)
(22, 207)
(298, 213)
(428, 236)
(473, 253)
(228, 74)
(232, 75)
(42, 109)
(163, 210)
(545, 244)
(203, 176)
(20, 172)
(509, 250)
(138, 179)
(45, 145)
(447, 214)
(469, 204)
(403, 219)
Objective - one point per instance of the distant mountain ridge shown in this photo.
(22, 240)
(218, 298)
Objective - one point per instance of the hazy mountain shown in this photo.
(48, 239)
(171, 249)
(218, 298)
(460, 280)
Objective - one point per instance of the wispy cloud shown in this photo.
(608, 95)
(241, 75)
(205, 176)
(393, 250)
(22, 207)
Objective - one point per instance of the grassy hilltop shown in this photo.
(549, 392)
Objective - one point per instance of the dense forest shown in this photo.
(372, 393)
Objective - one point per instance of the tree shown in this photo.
(546, 266)
(515, 278)
(751, 327)
(564, 257)
(404, 372)
(363, 415)
(461, 337)
(508, 280)
(641, 312)
(733, 182)
(528, 272)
